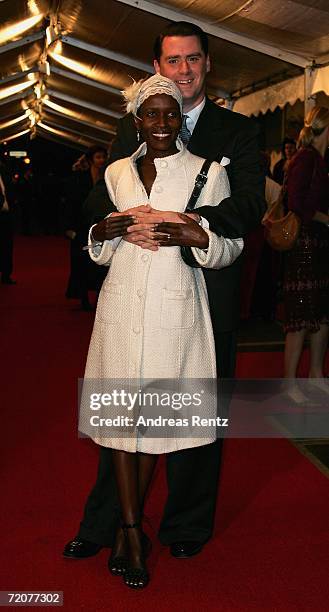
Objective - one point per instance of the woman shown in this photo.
(306, 277)
(152, 319)
(87, 171)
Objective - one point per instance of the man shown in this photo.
(181, 54)
(288, 149)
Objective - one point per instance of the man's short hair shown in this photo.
(180, 28)
(286, 141)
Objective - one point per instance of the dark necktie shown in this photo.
(185, 133)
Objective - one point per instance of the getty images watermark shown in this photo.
(204, 408)
(161, 408)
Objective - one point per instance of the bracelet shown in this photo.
(95, 243)
(92, 237)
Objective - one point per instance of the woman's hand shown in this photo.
(185, 233)
(168, 216)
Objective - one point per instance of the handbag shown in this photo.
(281, 228)
(200, 181)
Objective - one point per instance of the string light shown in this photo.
(12, 122)
(15, 136)
(13, 89)
(18, 28)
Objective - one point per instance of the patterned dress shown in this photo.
(306, 273)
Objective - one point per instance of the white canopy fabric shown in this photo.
(285, 92)
(64, 62)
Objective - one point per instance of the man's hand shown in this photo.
(118, 223)
(142, 232)
(112, 227)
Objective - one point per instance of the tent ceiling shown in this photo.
(253, 44)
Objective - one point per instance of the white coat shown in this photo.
(152, 319)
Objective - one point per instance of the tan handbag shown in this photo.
(281, 230)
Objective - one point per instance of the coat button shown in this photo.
(158, 189)
(136, 330)
(163, 164)
(140, 293)
(145, 257)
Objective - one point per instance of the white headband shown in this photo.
(139, 91)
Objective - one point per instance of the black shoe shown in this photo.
(183, 550)
(81, 549)
(7, 280)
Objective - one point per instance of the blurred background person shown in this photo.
(306, 274)
(27, 201)
(288, 151)
(49, 202)
(261, 264)
(6, 226)
(87, 171)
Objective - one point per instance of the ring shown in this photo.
(168, 236)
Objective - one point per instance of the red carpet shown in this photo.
(270, 546)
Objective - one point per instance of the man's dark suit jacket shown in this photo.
(220, 133)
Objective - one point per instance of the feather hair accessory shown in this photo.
(130, 95)
(139, 91)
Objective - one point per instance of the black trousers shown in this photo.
(192, 477)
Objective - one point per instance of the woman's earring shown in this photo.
(138, 136)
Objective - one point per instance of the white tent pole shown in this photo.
(19, 96)
(21, 42)
(71, 131)
(91, 82)
(309, 99)
(18, 75)
(59, 138)
(84, 104)
(87, 123)
(111, 55)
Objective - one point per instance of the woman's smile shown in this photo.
(159, 121)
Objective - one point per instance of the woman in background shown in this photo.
(306, 274)
(87, 171)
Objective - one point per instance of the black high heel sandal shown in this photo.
(137, 577)
(117, 564)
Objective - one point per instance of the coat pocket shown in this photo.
(109, 308)
(177, 309)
